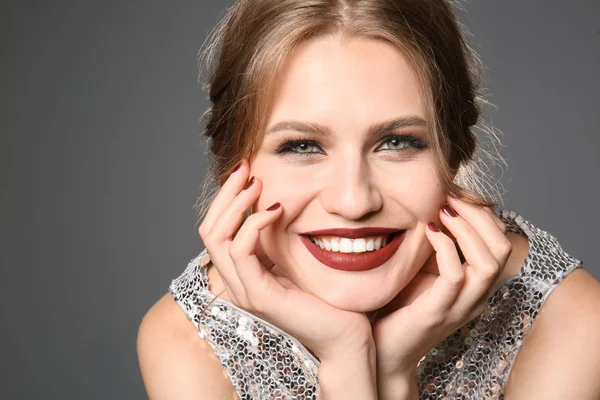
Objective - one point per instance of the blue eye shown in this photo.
(308, 147)
(300, 147)
(400, 142)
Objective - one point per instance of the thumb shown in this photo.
(259, 251)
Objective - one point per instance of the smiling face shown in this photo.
(346, 146)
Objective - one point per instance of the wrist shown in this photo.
(359, 347)
(349, 375)
(398, 385)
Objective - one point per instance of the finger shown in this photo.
(230, 220)
(497, 220)
(480, 271)
(220, 238)
(475, 250)
(418, 285)
(258, 283)
(446, 287)
(486, 227)
(266, 295)
(230, 189)
(262, 256)
(472, 297)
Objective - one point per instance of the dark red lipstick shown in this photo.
(355, 261)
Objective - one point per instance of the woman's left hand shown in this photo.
(430, 308)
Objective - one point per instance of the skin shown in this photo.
(347, 87)
(425, 291)
(342, 179)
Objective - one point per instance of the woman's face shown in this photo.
(351, 173)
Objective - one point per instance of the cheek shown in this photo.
(420, 191)
(289, 186)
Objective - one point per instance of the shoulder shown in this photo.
(175, 362)
(560, 357)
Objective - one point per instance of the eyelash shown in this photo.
(291, 143)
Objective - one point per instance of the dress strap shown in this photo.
(546, 261)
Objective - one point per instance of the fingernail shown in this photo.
(250, 182)
(449, 211)
(273, 207)
(237, 167)
(433, 227)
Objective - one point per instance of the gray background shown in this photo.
(101, 163)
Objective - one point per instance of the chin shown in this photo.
(360, 291)
(367, 298)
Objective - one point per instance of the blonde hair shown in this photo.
(243, 55)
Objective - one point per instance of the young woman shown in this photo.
(350, 253)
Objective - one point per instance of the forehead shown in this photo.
(341, 83)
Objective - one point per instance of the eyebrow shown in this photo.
(377, 129)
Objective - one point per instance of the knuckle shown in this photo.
(502, 226)
(203, 231)
(209, 241)
(234, 251)
(505, 248)
(490, 267)
(434, 319)
(489, 270)
(456, 279)
(455, 319)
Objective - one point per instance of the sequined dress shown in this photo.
(263, 362)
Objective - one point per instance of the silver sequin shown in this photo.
(474, 362)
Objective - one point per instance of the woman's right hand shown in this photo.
(331, 333)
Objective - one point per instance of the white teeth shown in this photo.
(377, 243)
(359, 246)
(346, 246)
(335, 245)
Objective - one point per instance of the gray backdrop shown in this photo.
(101, 162)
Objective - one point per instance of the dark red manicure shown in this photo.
(274, 207)
(449, 211)
(250, 182)
(433, 227)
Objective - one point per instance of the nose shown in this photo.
(350, 190)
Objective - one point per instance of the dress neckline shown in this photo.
(505, 215)
(524, 226)
(214, 299)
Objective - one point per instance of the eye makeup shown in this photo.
(304, 146)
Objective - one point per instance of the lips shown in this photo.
(354, 261)
(353, 233)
